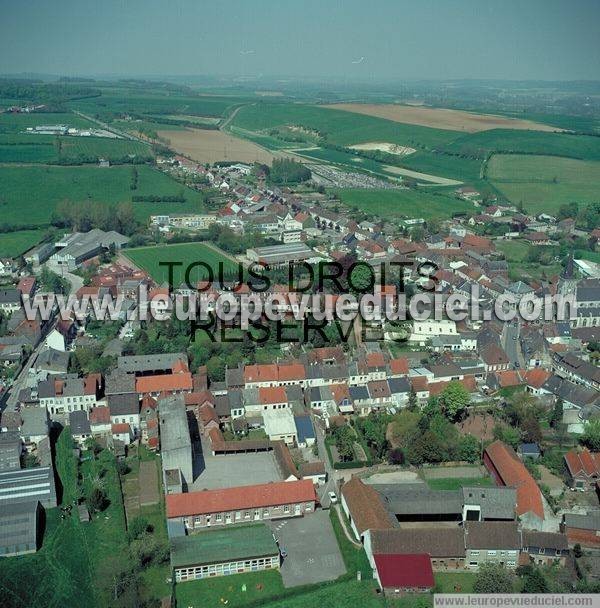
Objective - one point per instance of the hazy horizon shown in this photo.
(385, 41)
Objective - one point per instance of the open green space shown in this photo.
(455, 483)
(543, 183)
(75, 148)
(517, 254)
(427, 204)
(443, 165)
(591, 256)
(13, 244)
(454, 582)
(339, 126)
(149, 259)
(479, 145)
(30, 193)
(124, 101)
(17, 123)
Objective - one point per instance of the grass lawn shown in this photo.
(17, 123)
(591, 256)
(355, 559)
(447, 581)
(149, 258)
(13, 244)
(516, 252)
(30, 193)
(543, 183)
(454, 483)
(209, 593)
(427, 204)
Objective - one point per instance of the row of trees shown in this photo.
(86, 215)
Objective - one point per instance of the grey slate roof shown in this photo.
(126, 404)
(79, 423)
(492, 535)
(359, 393)
(53, 360)
(10, 451)
(495, 503)
(35, 421)
(148, 363)
(25, 485)
(587, 521)
(418, 499)
(119, 382)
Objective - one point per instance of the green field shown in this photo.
(544, 183)
(123, 101)
(13, 244)
(148, 258)
(427, 204)
(16, 123)
(30, 194)
(455, 483)
(101, 147)
(444, 165)
(480, 144)
(446, 582)
(339, 126)
(516, 253)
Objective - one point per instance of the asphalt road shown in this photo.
(510, 340)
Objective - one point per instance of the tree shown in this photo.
(344, 442)
(427, 447)
(396, 456)
(532, 432)
(493, 578)
(591, 436)
(454, 399)
(577, 550)
(97, 500)
(535, 582)
(413, 402)
(469, 448)
(557, 413)
(508, 435)
(138, 527)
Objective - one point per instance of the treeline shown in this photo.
(286, 171)
(44, 93)
(86, 215)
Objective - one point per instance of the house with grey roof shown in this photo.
(497, 542)
(51, 361)
(10, 300)
(80, 426)
(176, 444)
(11, 447)
(35, 425)
(488, 504)
(144, 364)
(76, 248)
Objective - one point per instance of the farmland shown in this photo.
(543, 183)
(440, 118)
(30, 193)
(404, 203)
(479, 145)
(17, 243)
(338, 126)
(149, 258)
(209, 146)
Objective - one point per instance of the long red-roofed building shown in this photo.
(507, 470)
(242, 504)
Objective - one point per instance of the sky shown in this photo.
(317, 39)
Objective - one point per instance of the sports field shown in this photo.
(439, 118)
(149, 258)
(543, 183)
(30, 193)
(426, 204)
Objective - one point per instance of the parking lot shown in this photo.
(313, 554)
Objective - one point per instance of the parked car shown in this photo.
(332, 497)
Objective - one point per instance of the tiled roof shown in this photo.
(238, 498)
(437, 542)
(164, 382)
(492, 535)
(274, 394)
(404, 571)
(583, 462)
(366, 507)
(514, 474)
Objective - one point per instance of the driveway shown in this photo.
(313, 554)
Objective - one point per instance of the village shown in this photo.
(454, 449)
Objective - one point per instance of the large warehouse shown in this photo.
(277, 255)
(222, 552)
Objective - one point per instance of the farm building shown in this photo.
(222, 552)
(398, 574)
(21, 485)
(76, 248)
(19, 528)
(176, 445)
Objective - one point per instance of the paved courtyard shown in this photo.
(313, 554)
(231, 470)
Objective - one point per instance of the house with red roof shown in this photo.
(242, 504)
(507, 470)
(584, 468)
(398, 574)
